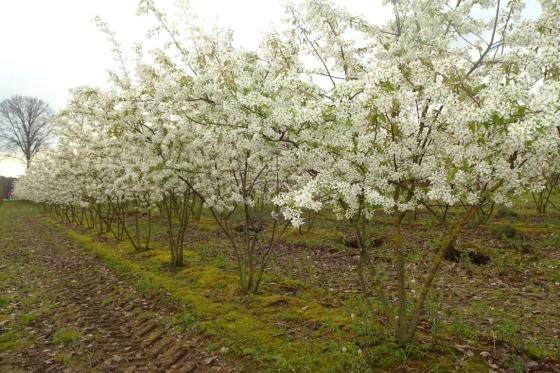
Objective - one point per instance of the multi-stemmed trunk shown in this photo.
(542, 199)
(252, 252)
(406, 316)
(177, 208)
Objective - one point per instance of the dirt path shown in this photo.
(64, 311)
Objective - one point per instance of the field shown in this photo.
(73, 300)
(359, 190)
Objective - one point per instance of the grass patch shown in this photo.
(65, 359)
(65, 336)
(11, 341)
(27, 319)
(31, 300)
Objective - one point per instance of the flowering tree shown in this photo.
(424, 110)
(233, 115)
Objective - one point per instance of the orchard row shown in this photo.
(446, 104)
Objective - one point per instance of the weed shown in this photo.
(517, 364)
(213, 347)
(551, 240)
(433, 306)
(506, 231)
(309, 267)
(507, 330)
(65, 336)
(188, 317)
(146, 285)
(27, 319)
(31, 300)
(460, 328)
(369, 333)
(107, 301)
(357, 361)
(506, 213)
(557, 350)
(10, 341)
(65, 359)
(411, 350)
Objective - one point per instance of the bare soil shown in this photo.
(62, 310)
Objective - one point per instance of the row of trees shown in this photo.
(436, 108)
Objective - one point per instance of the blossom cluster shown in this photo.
(437, 106)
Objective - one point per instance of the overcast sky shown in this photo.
(50, 46)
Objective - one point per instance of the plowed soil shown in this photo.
(62, 310)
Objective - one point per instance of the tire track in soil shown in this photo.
(119, 329)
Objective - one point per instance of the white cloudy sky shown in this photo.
(48, 47)
(51, 46)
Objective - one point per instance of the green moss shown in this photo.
(274, 300)
(317, 237)
(208, 277)
(476, 364)
(207, 224)
(289, 316)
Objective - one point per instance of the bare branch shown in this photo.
(25, 125)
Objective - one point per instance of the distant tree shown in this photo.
(25, 125)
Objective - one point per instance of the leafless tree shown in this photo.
(25, 125)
